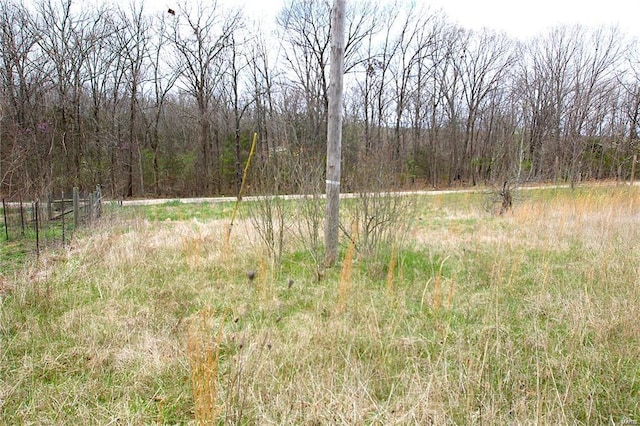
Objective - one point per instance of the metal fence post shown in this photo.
(98, 201)
(76, 206)
(22, 216)
(6, 225)
(49, 206)
(37, 229)
(62, 218)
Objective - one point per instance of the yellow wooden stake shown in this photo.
(244, 179)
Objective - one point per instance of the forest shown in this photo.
(166, 103)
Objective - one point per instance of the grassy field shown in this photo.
(450, 315)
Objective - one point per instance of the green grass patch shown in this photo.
(175, 210)
(13, 255)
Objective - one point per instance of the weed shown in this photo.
(204, 364)
(345, 284)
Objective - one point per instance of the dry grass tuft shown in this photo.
(204, 363)
(393, 263)
(345, 284)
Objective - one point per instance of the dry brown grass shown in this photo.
(204, 364)
(345, 284)
(527, 318)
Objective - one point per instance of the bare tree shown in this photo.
(263, 76)
(63, 41)
(305, 26)
(449, 82)
(21, 96)
(200, 37)
(379, 72)
(483, 66)
(567, 77)
(164, 79)
(101, 60)
(630, 85)
(407, 65)
(594, 80)
(240, 101)
(133, 44)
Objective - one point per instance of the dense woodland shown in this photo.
(165, 104)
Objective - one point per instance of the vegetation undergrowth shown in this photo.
(13, 255)
(176, 210)
(528, 317)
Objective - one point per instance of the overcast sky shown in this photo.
(521, 19)
(518, 18)
(528, 18)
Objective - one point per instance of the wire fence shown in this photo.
(51, 220)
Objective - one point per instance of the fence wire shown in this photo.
(50, 220)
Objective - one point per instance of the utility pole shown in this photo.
(334, 133)
(1, 179)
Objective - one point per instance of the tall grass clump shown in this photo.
(345, 284)
(204, 364)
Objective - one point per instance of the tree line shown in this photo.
(165, 104)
